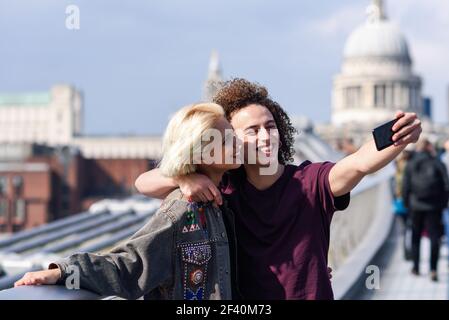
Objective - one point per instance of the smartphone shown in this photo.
(383, 135)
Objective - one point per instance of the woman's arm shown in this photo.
(129, 270)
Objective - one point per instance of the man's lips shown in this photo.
(266, 150)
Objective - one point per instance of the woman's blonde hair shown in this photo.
(183, 133)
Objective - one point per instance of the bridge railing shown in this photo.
(48, 292)
(358, 233)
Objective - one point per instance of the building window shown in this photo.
(20, 210)
(389, 96)
(414, 97)
(379, 95)
(3, 185)
(397, 95)
(3, 209)
(353, 97)
(17, 182)
(405, 99)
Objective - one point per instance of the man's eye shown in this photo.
(250, 132)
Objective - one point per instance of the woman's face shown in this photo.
(222, 152)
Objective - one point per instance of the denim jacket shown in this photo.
(181, 253)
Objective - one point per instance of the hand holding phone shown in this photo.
(383, 135)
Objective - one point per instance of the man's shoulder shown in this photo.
(308, 167)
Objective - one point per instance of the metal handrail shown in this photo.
(47, 292)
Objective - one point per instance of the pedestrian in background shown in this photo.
(399, 209)
(425, 191)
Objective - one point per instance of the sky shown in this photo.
(137, 62)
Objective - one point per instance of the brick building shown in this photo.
(39, 184)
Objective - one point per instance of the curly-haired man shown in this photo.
(280, 221)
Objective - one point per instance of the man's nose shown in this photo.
(263, 134)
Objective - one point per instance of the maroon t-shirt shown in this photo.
(283, 232)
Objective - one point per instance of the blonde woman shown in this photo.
(182, 252)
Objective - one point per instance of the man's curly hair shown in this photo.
(238, 93)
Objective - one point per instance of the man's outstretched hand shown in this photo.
(407, 129)
(349, 171)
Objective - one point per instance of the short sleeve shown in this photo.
(329, 202)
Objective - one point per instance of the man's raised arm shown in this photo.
(349, 171)
(153, 184)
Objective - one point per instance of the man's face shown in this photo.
(256, 128)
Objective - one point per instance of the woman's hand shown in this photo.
(199, 187)
(39, 277)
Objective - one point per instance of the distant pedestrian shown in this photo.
(425, 191)
(445, 159)
(399, 209)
